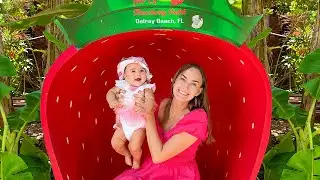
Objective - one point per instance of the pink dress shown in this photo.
(181, 167)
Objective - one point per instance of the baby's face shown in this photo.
(135, 75)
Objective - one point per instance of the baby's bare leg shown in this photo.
(118, 143)
(135, 146)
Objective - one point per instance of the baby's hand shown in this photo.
(120, 96)
(115, 104)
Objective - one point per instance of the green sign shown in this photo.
(110, 17)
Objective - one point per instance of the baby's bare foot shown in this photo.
(136, 164)
(127, 159)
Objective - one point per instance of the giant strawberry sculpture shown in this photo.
(77, 121)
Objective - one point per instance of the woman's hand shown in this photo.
(144, 102)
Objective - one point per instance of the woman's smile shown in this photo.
(183, 92)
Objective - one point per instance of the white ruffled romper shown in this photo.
(129, 119)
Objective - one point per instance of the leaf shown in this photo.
(36, 159)
(281, 159)
(317, 167)
(30, 112)
(313, 87)
(4, 91)
(300, 117)
(316, 151)
(6, 67)
(276, 165)
(21, 176)
(29, 149)
(45, 17)
(285, 145)
(282, 109)
(13, 167)
(311, 63)
(300, 166)
(283, 149)
(259, 37)
(14, 120)
(55, 41)
(301, 161)
(316, 140)
(40, 170)
(293, 175)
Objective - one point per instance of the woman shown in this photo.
(184, 125)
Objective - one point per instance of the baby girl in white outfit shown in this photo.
(134, 76)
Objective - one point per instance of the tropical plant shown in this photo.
(297, 155)
(20, 158)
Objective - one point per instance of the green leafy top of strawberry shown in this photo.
(109, 17)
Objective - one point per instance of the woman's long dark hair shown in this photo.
(200, 101)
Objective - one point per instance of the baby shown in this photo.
(134, 76)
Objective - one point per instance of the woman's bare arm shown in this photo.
(176, 144)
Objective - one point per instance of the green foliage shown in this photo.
(317, 152)
(313, 87)
(311, 63)
(36, 160)
(274, 169)
(27, 114)
(81, 1)
(14, 120)
(30, 112)
(4, 90)
(47, 16)
(54, 40)
(13, 167)
(285, 145)
(259, 37)
(17, 46)
(6, 67)
(275, 160)
(300, 166)
(296, 6)
(282, 109)
(14, 9)
(295, 160)
(301, 15)
(21, 159)
(299, 118)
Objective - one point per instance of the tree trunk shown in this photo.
(52, 51)
(315, 44)
(256, 7)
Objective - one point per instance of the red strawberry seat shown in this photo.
(77, 121)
